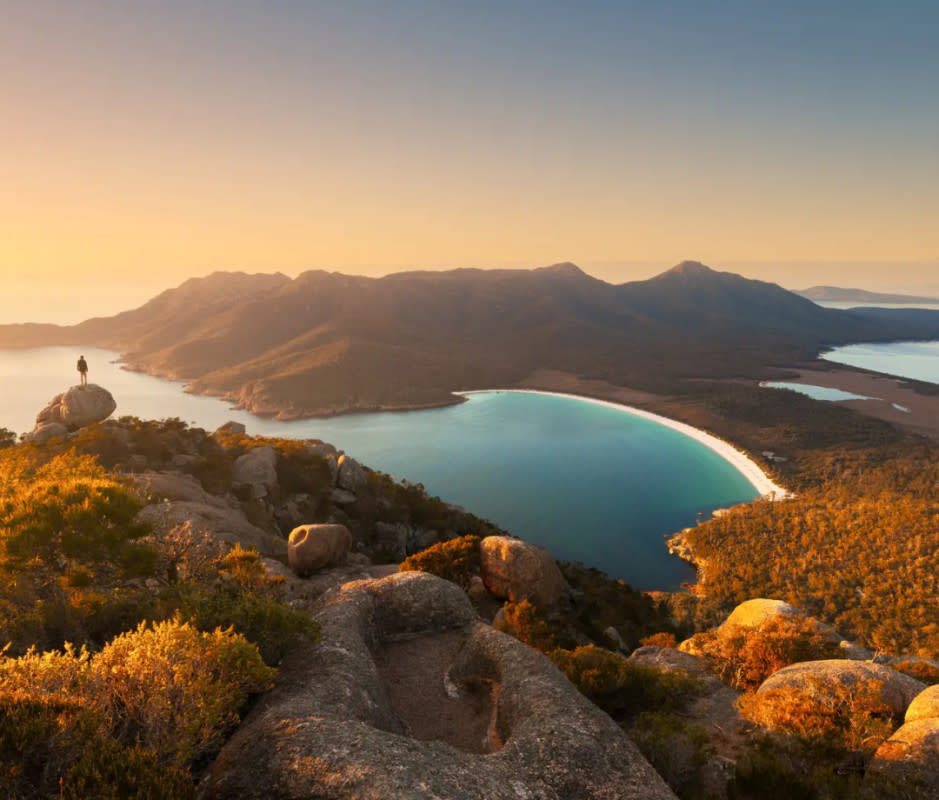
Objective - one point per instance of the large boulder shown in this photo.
(754, 614)
(78, 407)
(518, 570)
(908, 761)
(257, 468)
(925, 705)
(231, 427)
(312, 547)
(228, 525)
(379, 709)
(824, 680)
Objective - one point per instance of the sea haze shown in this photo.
(590, 483)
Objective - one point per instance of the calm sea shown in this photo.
(590, 483)
(917, 360)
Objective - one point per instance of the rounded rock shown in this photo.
(313, 547)
(518, 570)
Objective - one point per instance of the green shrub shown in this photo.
(622, 688)
(456, 560)
(174, 689)
(678, 750)
(54, 746)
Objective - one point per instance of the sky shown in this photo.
(144, 143)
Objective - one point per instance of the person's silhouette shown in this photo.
(83, 370)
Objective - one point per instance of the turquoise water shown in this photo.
(590, 483)
(816, 392)
(917, 360)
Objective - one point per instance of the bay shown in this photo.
(590, 483)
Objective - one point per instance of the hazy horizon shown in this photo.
(73, 301)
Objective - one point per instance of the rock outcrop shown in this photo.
(312, 547)
(824, 679)
(925, 705)
(46, 431)
(352, 476)
(494, 719)
(77, 407)
(226, 524)
(517, 570)
(258, 469)
(231, 427)
(908, 759)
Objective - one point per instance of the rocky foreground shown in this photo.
(413, 692)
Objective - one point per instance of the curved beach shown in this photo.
(766, 487)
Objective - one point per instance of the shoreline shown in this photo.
(746, 466)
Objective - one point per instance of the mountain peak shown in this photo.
(563, 268)
(690, 268)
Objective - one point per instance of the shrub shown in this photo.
(521, 620)
(7, 438)
(53, 746)
(175, 690)
(745, 657)
(662, 639)
(456, 560)
(855, 718)
(918, 668)
(677, 749)
(620, 687)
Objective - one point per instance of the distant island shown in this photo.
(837, 294)
(326, 343)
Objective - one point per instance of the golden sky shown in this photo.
(143, 144)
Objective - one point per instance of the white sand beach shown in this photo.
(767, 488)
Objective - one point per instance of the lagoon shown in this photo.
(589, 482)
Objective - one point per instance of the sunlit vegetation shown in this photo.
(745, 657)
(129, 656)
(162, 696)
(859, 550)
(456, 560)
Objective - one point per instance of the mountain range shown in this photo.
(838, 294)
(325, 342)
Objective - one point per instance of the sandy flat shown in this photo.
(923, 414)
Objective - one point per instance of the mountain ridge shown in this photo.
(326, 343)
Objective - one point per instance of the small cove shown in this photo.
(589, 482)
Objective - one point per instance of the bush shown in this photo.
(521, 620)
(918, 668)
(175, 690)
(745, 657)
(168, 688)
(622, 688)
(54, 746)
(855, 718)
(677, 749)
(456, 560)
(666, 640)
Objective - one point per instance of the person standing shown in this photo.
(83, 370)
